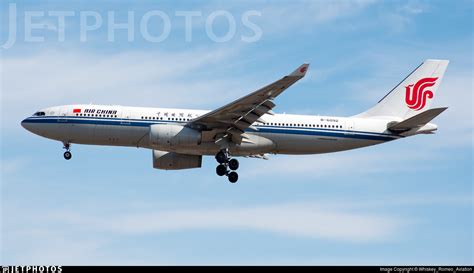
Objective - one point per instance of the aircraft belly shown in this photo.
(120, 135)
(310, 144)
(96, 134)
(64, 132)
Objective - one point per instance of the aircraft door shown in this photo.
(62, 115)
(349, 124)
(125, 118)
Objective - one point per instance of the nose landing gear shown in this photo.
(224, 160)
(67, 153)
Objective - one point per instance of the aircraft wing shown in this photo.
(231, 120)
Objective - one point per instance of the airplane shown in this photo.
(246, 127)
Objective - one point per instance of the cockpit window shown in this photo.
(39, 114)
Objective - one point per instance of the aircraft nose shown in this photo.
(25, 124)
(30, 125)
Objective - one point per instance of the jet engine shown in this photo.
(165, 136)
(173, 161)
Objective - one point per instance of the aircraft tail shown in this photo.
(418, 124)
(413, 94)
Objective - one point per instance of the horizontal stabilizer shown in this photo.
(416, 121)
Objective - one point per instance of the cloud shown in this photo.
(364, 161)
(400, 17)
(12, 166)
(142, 78)
(414, 7)
(306, 14)
(305, 220)
(311, 220)
(84, 236)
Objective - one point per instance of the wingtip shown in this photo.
(437, 61)
(301, 70)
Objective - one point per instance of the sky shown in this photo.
(405, 202)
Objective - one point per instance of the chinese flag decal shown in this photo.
(76, 110)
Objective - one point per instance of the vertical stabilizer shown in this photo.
(413, 94)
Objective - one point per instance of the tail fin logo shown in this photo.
(417, 94)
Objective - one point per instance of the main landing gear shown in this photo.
(225, 162)
(67, 153)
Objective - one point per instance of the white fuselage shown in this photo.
(278, 134)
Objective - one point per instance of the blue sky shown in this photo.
(405, 202)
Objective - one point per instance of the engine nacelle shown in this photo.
(173, 161)
(165, 136)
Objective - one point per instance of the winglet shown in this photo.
(300, 71)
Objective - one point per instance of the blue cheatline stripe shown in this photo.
(261, 129)
(325, 134)
(141, 122)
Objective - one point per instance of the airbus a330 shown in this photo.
(246, 127)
